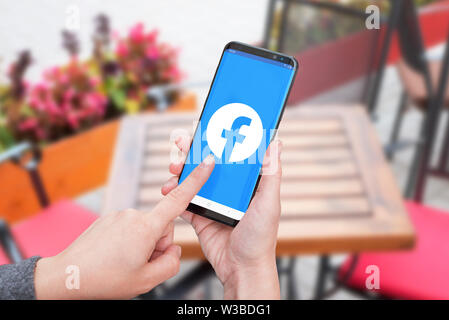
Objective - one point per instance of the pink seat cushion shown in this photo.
(52, 230)
(420, 273)
(3, 258)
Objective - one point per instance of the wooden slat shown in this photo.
(149, 195)
(297, 208)
(168, 131)
(314, 141)
(321, 188)
(301, 198)
(161, 161)
(327, 155)
(289, 189)
(293, 126)
(290, 171)
(316, 155)
(319, 171)
(152, 177)
(325, 207)
(301, 126)
(159, 146)
(305, 208)
(379, 183)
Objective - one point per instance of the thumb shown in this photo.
(163, 267)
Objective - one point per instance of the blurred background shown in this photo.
(71, 71)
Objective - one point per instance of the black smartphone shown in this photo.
(240, 117)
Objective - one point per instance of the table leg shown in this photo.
(323, 269)
(292, 289)
(288, 273)
(198, 274)
(443, 161)
(391, 26)
(391, 149)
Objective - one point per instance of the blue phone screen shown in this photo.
(237, 123)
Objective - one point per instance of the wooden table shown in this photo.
(338, 193)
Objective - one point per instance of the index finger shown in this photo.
(177, 200)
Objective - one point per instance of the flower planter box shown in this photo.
(69, 167)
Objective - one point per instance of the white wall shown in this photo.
(199, 27)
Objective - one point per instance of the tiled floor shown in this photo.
(200, 28)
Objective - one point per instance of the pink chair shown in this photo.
(421, 273)
(48, 232)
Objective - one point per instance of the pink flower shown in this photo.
(41, 86)
(51, 73)
(94, 81)
(122, 49)
(69, 94)
(72, 119)
(64, 79)
(52, 107)
(136, 34)
(28, 124)
(91, 102)
(115, 35)
(152, 52)
(173, 73)
(152, 35)
(95, 104)
(26, 84)
(40, 133)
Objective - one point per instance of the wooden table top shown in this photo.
(338, 193)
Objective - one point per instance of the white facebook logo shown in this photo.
(234, 132)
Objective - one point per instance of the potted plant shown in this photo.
(73, 112)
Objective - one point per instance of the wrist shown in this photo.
(50, 280)
(257, 282)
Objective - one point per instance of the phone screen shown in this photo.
(239, 119)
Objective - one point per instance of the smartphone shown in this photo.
(239, 119)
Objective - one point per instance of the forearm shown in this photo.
(17, 280)
(255, 283)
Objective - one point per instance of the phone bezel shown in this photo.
(268, 54)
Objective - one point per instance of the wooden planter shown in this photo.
(69, 167)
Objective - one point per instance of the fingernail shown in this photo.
(208, 161)
(178, 251)
(178, 139)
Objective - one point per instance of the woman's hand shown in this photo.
(122, 254)
(244, 257)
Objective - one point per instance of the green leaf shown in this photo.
(26, 110)
(6, 138)
(118, 97)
